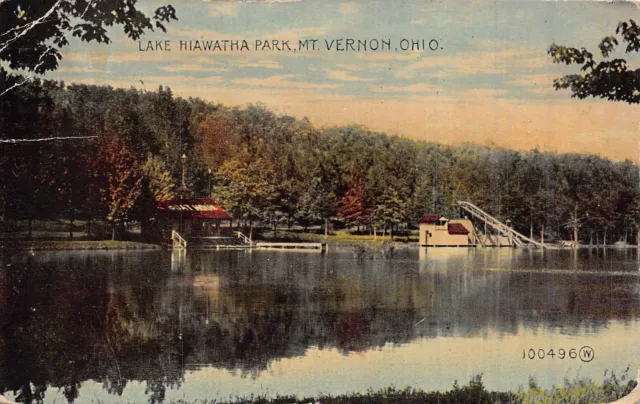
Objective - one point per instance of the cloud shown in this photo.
(125, 56)
(533, 80)
(149, 82)
(343, 75)
(388, 56)
(82, 69)
(226, 8)
(547, 92)
(302, 32)
(189, 67)
(411, 88)
(540, 84)
(283, 81)
(348, 8)
(482, 94)
(350, 67)
(262, 63)
(478, 62)
(198, 33)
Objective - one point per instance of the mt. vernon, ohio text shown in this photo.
(300, 45)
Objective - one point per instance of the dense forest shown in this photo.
(129, 147)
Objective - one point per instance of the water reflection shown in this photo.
(117, 318)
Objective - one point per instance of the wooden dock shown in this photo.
(292, 246)
(239, 241)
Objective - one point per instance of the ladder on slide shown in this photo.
(518, 239)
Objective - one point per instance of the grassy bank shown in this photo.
(339, 237)
(60, 245)
(578, 391)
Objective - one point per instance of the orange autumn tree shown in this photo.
(355, 205)
(120, 176)
(217, 139)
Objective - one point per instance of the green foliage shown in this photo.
(472, 393)
(581, 391)
(611, 79)
(33, 32)
(389, 209)
(159, 179)
(122, 180)
(272, 170)
(247, 190)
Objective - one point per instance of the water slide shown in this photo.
(518, 239)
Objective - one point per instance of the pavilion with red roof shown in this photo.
(195, 217)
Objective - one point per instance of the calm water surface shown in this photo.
(152, 326)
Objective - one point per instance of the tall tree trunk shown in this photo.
(575, 225)
(542, 234)
(3, 218)
(375, 234)
(113, 231)
(531, 230)
(326, 228)
(604, 239)
(251, 232)
(71, 224)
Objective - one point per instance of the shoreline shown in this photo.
(84, 245)
(612, 389)
(73, 245)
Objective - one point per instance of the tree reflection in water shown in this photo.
(114, 318)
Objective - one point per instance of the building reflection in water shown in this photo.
(147, 317)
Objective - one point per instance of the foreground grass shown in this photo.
(48, 245)
(579, 391)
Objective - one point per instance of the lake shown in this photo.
(153, 325)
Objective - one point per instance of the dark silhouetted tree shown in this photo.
(610, 78)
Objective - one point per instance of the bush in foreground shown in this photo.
(583, 390)
(578, 391)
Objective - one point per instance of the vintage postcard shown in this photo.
(305, 201)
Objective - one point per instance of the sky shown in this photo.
(487, 81)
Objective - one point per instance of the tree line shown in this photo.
(129, 147)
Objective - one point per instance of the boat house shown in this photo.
(438, 231)
(194, 218)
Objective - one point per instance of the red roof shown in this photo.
(203, 208)
(457, 228)
(429, 219)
